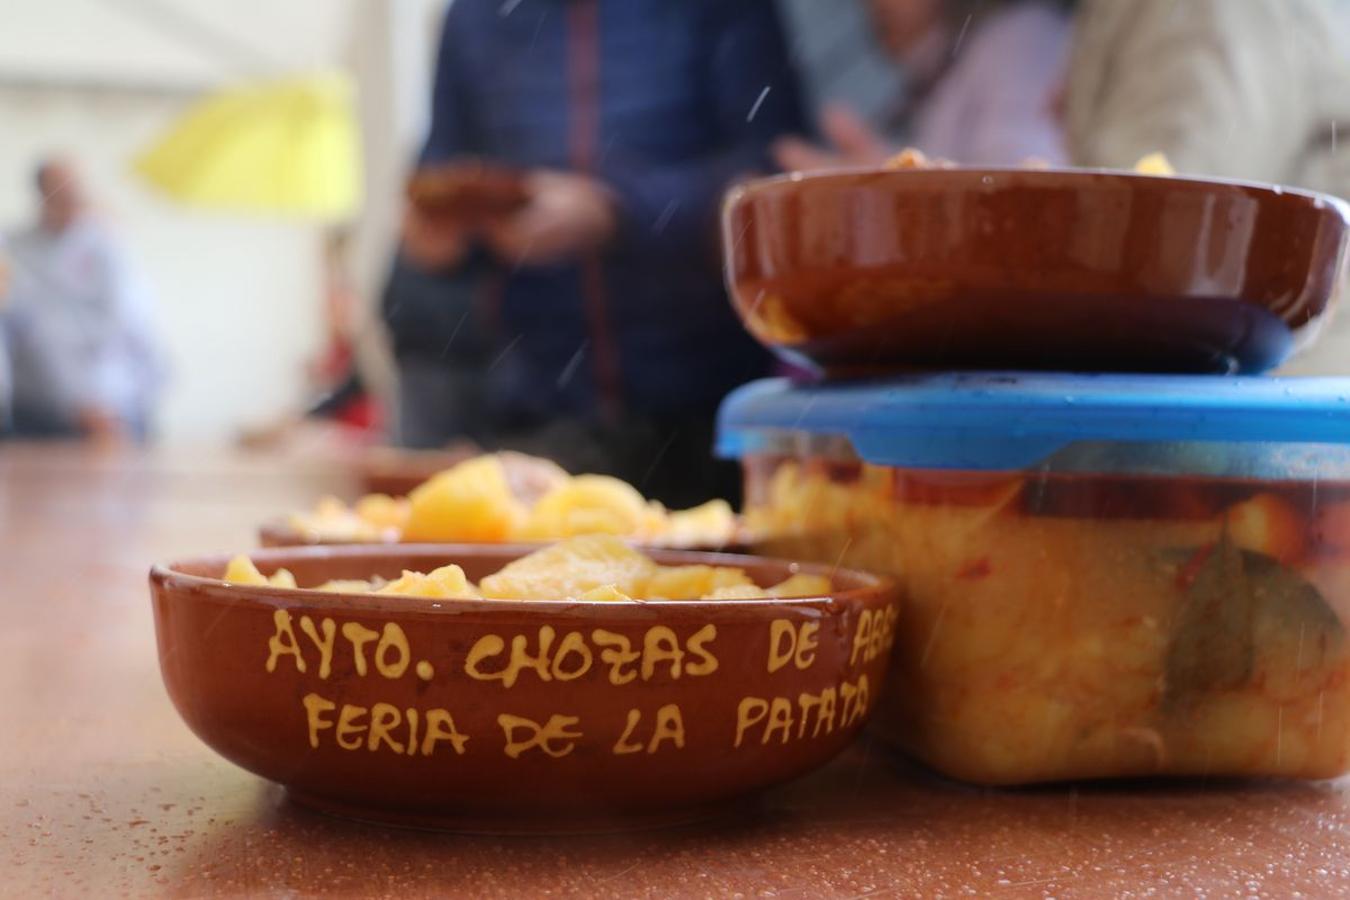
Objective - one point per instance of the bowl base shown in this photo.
(594, 822)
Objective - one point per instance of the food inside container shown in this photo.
(1103, 576)
(597, 568)
(508, 497)
(879, 271)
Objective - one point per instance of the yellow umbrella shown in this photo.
(287, 147)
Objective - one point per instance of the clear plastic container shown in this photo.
(1104, 576)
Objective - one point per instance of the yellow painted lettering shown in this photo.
(706, 663)
(669, 727)
(486, 647)
(780, 719)
(861, 637)
(856, 700)
(846, 694)
(825, 717)
(877, 645)
(315, 707)
(324, 644)
(359, 635)
(749, 713)
(283, 642)
(347, 725)
(411, 715)
(660, 645)
(623, 745)
(521, 659)
(572, 644)
(394, 641)
(618, 653)
(441, 727)
(553, 737)
(384, 717)
(782, 643)
(807, 703)
(808, 639)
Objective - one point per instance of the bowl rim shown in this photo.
(280, 528)
(168, 576)
(1057, 173)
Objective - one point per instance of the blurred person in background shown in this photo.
(842, 63)
(6, 398)
(1254, 89)
(1249, 89)
(84, 360)
(983, 77)
(341, 394)
(610, 338)
(338, 410)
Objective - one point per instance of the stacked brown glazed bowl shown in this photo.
(1036, 400)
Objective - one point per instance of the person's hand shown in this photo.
(433, 242)
(568, 215)
(851, 142)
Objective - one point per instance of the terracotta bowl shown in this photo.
(868, 272)
(280, 533)
(471, 191)
(393, 471)
(595, 732)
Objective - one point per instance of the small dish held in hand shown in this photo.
(501, 715)
(876, 271)
(468, 191)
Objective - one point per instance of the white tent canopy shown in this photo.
(169, 44)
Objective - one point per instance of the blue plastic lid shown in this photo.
(995, 421)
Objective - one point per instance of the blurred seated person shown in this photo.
(84, 360)
(1252, 90)
(339, 410)
(610, 337)
(983, 79)
(342, 393)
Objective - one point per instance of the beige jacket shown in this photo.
(1238, 88)
(1250, 89)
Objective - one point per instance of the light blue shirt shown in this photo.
(839, 61)
(78, 327)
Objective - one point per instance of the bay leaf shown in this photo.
(1212, 646)
(1233, 594)
(1287, 600)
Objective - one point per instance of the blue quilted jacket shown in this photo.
(668, 102)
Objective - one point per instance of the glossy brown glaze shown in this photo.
(1067, 626)
(105, 793)
(659, 711)
(392, 471)
(468, 191)
(875, 271)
